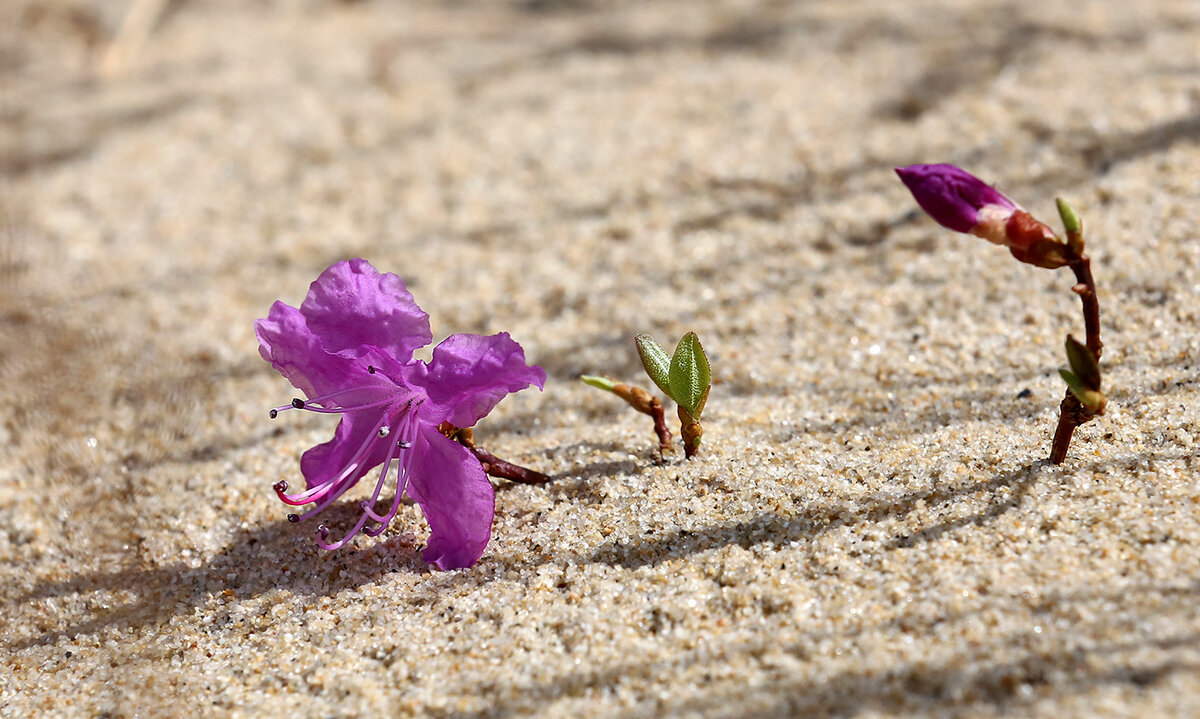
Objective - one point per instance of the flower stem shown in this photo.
(493, 465)
(497, 467)
(1072, 412)
(1086, 289)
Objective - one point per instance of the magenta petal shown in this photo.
(285, 340)
(352, 307)
(952, 196)
(325, 462)
(469, 374)
(456, 497)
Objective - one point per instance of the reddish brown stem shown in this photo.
(691, 432)
(646, 403)
(1072, 412)
(660, 427)
(492, 464)
(1086, 289)
(497, 467)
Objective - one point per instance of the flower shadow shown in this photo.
(274, 556)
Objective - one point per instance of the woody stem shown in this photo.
(1072, 412)
(497, 467)
(492, 464)
(660, 427)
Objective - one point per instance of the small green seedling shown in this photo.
(684, 376)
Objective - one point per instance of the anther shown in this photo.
(370, 369)
(298, 403)
(281, 486)
(384, 431)
(403, 445)
(323, 531)
(293, 518)
(274, 413)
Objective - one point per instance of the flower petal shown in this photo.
(456, 497)
(356, 431)
(285, 340)
(950, 195)
(352, 308)
(469, 374)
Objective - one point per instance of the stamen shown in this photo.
(323, 534)
(344, 408)
(323, 398)
(401, 484)
(328, 493)
(316, 493)
(368, 506)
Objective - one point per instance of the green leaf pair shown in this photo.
(684, 376)
(1083, 378)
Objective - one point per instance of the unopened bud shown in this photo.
(960, 201)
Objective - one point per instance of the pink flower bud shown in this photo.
(958, 200)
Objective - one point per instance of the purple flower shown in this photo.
(349, 348)
(958, 200)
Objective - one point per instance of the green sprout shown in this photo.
(684, 376)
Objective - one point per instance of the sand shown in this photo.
(873, 528)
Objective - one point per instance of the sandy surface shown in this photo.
(873, 530)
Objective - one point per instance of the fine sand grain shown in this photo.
(872, 529)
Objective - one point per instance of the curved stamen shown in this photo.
(308, 407)
(401, 483)
(351, 408)
(323, 534)
(367, 504)
(366, 507)
(329, 492)
(324, 398)
(314, 494)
